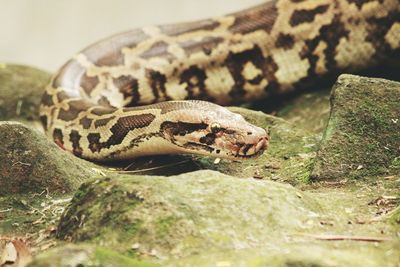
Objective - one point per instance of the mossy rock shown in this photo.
(363, 134)
(395, 217)
(309, 111)
(84, 255)
(29, 162)
(178, 216)
(295, 255)
(21, 90)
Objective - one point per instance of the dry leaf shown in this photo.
(15, 253)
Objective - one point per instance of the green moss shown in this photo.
(106, 257)
(104, 213)
(395, 218)
(21, 90)
(362, 137)
(395, 164)
(133, 228)
(164, 225)
(85, 255)
(80, 194)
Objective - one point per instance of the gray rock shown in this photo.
(21, 90)
(29, 162)
(363, 134)
(84, 255)
(180, 216)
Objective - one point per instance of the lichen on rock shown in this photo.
(21, 90)
(363, 134)
(178, 216)
(29, 162)
(84, 255)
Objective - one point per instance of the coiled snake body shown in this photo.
(104, 103)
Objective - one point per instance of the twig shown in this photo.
(6, 210)
(152, 168)
(21, 163)
(350, 238)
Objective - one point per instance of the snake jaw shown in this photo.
(228, 143)
(249, 148)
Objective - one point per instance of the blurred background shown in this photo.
(45, 33)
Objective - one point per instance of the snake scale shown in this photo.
(149, 91)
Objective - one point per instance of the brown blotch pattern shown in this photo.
(285, 41)
(360, 3)
(85, 122)
(43, 120)
(195, 79)
(260, 17)
(47, 100)
(129, 87)
(379, 27)
(100, 111)
(236, 62)
(75, 137)
(181, 128)
(88, 83)
(206, 45)
(104, 101)
(158, 49)
(61, 96)
(305, 16)
(332, 34)
(119, 131)
(58, 137)
(157, 82)
(75, 108)
(103, 122)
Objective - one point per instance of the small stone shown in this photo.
(135, 246)
(10, 253)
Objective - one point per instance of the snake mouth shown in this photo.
(235, 151)
(247, 151)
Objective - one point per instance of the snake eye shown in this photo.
(215, 127)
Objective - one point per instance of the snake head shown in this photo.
(208, 129)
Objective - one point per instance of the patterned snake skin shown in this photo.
(127, 96)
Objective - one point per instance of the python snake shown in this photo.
(128, 95)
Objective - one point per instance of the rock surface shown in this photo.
(84, 255)
(21, 90)
(179, 216)
(207, 218)
(363, 134)
(31, 163)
